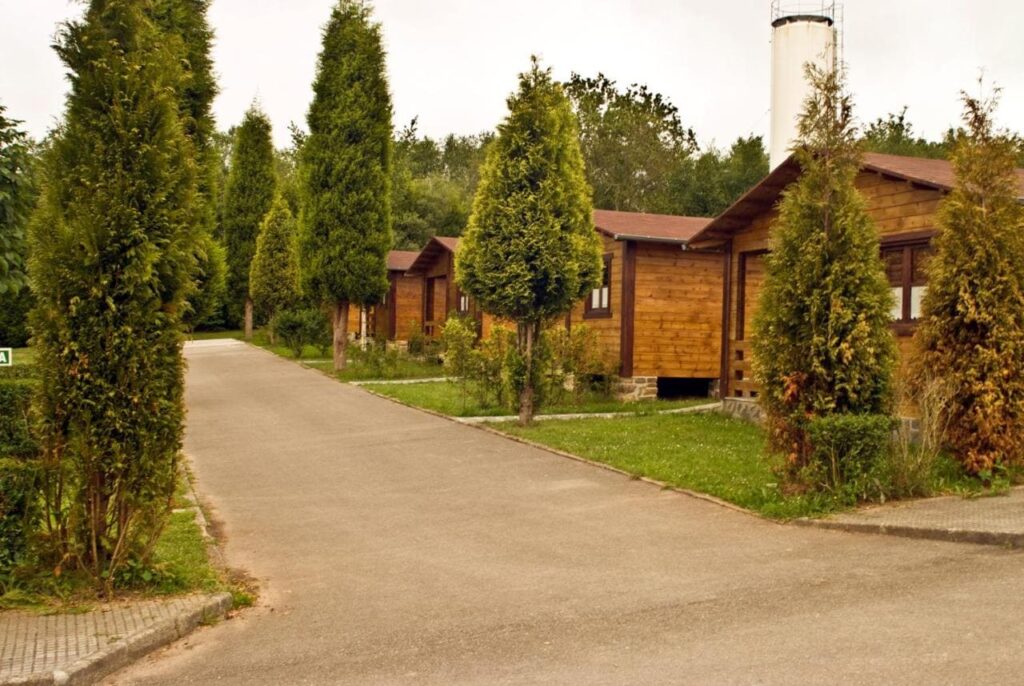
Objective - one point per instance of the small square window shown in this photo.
(599, 304)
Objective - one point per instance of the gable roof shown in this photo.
(931, 173)
(648, 228)
(435, 248)
(401, 260)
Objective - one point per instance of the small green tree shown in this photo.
(530, 251)
(972, 331)
(822, 342)
(112, 249)
(274, 279)
(346, 229)
(249, 195)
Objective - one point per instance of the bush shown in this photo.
(578, 364)
(19, 473)
(289, 328)
(16, 439)
(846, 450)
(19, 512)
(487, 364)
(14, 319)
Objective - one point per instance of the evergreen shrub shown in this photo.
(847, 449)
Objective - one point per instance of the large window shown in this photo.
(905, 267)
(599, 304)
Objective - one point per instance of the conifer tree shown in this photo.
(185, 25)
(250, 193)
(112, 245)
(530, 251)
(346, 228)
(972, 330)
(822, 342)
(274, 280)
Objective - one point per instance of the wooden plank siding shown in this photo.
(677, 329)
(898, 208)
(608, 328)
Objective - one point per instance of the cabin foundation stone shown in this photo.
(637, 388)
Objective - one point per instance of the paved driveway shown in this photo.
(394, 547)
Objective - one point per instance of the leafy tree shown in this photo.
(433, 185)
(17, 194)
(530, 250)
(707, 184)
(206, 300)
(274, 279)
(972, 331)
(822, 343)
(894, 135)
(249, 195)
(112, 245)
(346, 160)
(632, 141)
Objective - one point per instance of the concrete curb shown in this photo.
(949, 535)
(396, 382)
(707, 407)
(124, 651)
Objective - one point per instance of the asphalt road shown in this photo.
(394, 547)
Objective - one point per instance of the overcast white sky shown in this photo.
(453, 62)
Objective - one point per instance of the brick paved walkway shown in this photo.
(995, 520)
(34, 647)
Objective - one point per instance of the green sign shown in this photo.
(6, 357)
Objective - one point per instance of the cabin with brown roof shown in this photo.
(902, 196)
(658, 311)
(400, 313)
(434, 266)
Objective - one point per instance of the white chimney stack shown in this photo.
(801, 33)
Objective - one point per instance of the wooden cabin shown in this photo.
(401, 311)
(658, 310)
(902, 195)
(434, 266)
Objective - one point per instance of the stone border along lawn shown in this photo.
(446, 398)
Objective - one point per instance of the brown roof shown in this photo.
(937, 174)
(435, 247)
(401, 260)
(648, 228)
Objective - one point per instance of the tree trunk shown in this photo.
(248, 319)
(340, 321)
(526, 335)
(362, 327)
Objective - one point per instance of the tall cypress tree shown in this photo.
(16, 197)
(822, 342)
(972, 329)
(274, 280)
(185, 24)
(250, 193)
(530, 251)
(111, 259)
(346, 227)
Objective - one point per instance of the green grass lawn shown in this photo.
(448, 398)
(362, 365)
(706, 452)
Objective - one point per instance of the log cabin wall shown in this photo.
(902, 212)
(677, 330)
(403, 315)
(607, 327)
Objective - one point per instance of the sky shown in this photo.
(453, 63)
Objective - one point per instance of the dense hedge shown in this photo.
(19, 472)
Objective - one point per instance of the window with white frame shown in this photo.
(599, 303)
(905, 268)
